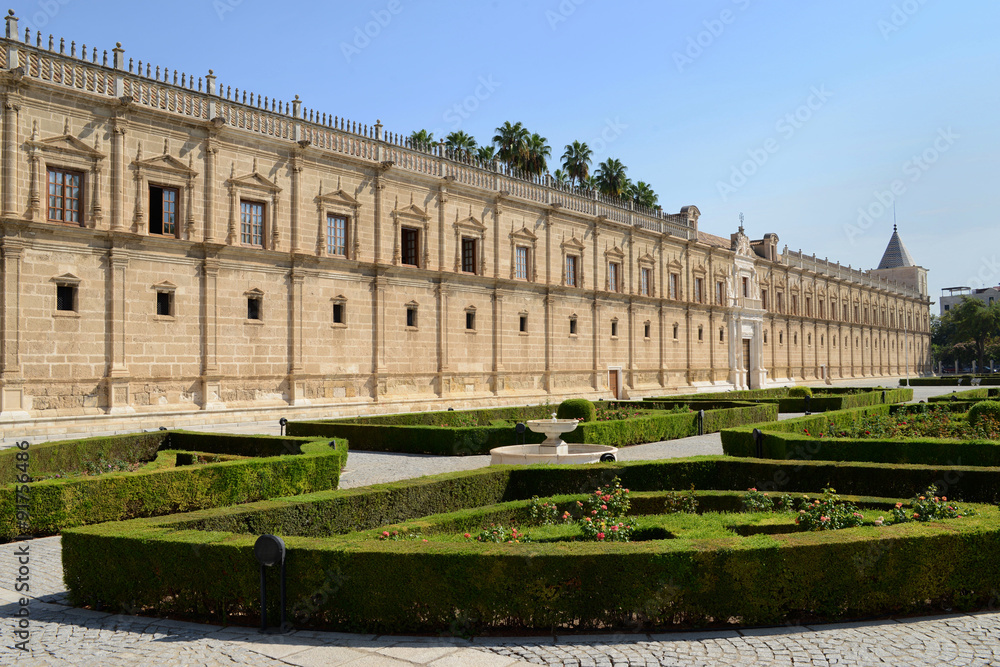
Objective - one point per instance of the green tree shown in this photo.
(975, 323)
(486, 154)
(560, 177)
(460, 144)
(421, 139)
(510, 141)
(536, 155)
(611, 178)
(576, 161)
(643, 195)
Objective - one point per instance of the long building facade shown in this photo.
(172, 246)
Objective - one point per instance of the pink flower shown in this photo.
(604, 507)
(593, 511)
(385, 533)
(615, 528)
(467, 535)
(600, 536)
(824, 518)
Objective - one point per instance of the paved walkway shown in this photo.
(61, 635)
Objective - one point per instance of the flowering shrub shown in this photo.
(544, 513)
(603, 514)
(498, 534)
(929, 507)
(677, 503)
(935, 422)
(757, 501)
(828, 513)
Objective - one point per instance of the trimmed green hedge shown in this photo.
(951, 381)
(473, 440)
(66, 455)
(201, 565)
(977, 394)
(830, 398)
(55, 504)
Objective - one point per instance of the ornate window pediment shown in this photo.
(254, 186)
(614, 254)
(66, 279)
(342, 203)
(411, 217)
(646, 260)
(162, 170)
(573, 245)
(674, 265)
(164, 286)
(65, 152)
(524, 234)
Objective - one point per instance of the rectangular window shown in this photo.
(763, 299)
(470, 321)
(821, 309)
(646, 330)
(699, 290)
(522, 324)
(521, 262)
(409, 244)
(252, 225)
(780, 302)
(411, 316)
(469, 255)
(613, 281)
(746, 287)
(720, 292)
(66, 297)
(162, 210)
(65, 196)
(645, 278)
(795, 304)
(614, 328)
(572, 326)
(809, 307)
(336, 235)
(254, 308)
(674, 282)
(571, 270)
(338, 313)
(165, 304)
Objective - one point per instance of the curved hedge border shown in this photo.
(282, 466)
(399, 433)
(201, 564)
(787, 440)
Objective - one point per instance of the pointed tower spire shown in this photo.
(896, 254)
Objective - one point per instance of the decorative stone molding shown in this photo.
(337, 202)
(65, 152)
(257, 187)
(168, 171)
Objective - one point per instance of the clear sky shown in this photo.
(810, 118)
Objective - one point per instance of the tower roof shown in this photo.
(896, 254)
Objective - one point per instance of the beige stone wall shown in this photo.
(113, 353)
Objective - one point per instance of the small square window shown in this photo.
(338, 313)
(572, 326)
(165, 304)
(411, 316)
(614, 328)
(523, 324)
(254, 308)
(66, 297)
(470, 321)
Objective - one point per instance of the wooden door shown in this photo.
(746, 359)
(613, 383)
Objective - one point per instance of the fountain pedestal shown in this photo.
(553, 449)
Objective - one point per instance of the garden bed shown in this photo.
(346, 572)
(823, 400)
(112, 478)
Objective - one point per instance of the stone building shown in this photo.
(172, 246)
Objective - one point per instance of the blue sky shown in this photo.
(810, 118)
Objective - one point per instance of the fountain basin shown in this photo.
(528, 454)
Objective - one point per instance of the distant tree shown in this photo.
(536, 155)
(611, 178)
(560, 177)
(643, 195)
(486, 154)
(421, 139)
(975, 323)
(460, 144)
(576, 161)
(510, 141)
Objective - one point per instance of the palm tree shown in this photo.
(589, 183)
(611, 179)
(560, 177)
(643, 195)
(510, 141)
(536, 154)
(576, 161)
(421, 139)
(486, 154)
(460, 144)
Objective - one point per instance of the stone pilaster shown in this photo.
(296, 386)
(119, 399)
(11, 116)
(13, 405)
(211, 383)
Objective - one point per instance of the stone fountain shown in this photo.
(553, 449)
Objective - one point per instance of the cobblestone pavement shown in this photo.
(61, 635)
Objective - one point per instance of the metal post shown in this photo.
(701, 422)
(282, 423)
(263, 600)
(758, 438)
